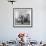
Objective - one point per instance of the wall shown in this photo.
(37, 32)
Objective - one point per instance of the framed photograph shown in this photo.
(22, 17)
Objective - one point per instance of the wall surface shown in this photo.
(37, 32)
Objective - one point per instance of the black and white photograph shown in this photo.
(22, 17)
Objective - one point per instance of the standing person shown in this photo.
(22, 19)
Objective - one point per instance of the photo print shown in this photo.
(22, 17)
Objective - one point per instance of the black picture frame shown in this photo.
(18, 13)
